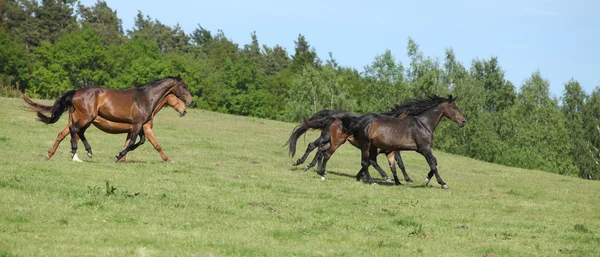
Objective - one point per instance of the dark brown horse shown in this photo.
(374, 133)
(113, 127)
(133, 106)
(332, 137)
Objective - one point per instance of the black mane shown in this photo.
(417, 106)
(157, 81)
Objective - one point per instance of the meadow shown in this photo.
(231, 191)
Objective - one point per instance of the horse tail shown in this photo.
(320, 120)
(60, 106)
(36, 107)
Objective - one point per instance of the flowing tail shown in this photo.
(36, 107)
(319, 120)
(59, 107)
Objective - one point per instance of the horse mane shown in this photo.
(415, 107)
(158, 81)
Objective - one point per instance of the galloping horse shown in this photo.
(113, 127)
(132, 106)
(332, 137)
(375, 132)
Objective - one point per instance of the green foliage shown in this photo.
(104, 22)
(45, 51)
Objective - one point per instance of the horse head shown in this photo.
(451, 111)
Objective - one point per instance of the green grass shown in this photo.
(232, 192)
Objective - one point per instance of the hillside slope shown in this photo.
(232, 192)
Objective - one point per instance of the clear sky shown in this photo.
(560, 38)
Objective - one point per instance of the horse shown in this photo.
(132, 106)
(376, 132)
(113, 127)
(332, 137)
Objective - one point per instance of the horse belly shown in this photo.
(111, 127)
(394, 141)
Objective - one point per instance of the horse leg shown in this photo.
(136, 130)
(124, 159)
(364, 162)
(73, 129)
(148, 132)
(373, 160)
(59, 138)
(318, 156)
(337, 138)
(317, 143)
(432, 161)
(81, 135)
(392, 163)
(401, 165)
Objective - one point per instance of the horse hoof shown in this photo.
(444, 186)
(388, 180)
(117, 159)
(409, 180)
(76, 158)
(426, 181)
(322, 178)
(48, 156)
(89, 155)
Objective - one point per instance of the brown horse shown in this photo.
(113, 127)
(132, 106)
(374, 133)
(332, 137)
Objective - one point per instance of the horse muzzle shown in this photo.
(183, 113)
(461, 123)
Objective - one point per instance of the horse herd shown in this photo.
(408, 126)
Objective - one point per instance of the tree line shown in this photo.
(51, 46)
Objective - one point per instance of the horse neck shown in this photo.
(159, 106)
(431, 118)
(161, 92)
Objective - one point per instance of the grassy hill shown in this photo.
(232, 192)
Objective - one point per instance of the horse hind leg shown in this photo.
(323, 139)
(373, 162)
(73, 130)
(61, 136)
(81, 135)
(319, 156)
(401, 165)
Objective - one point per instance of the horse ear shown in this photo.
(179, 77)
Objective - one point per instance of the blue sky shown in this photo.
(561, 39)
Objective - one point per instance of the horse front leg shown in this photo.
(136, 130)
(392, 163)
(432, 161)
(148, 132)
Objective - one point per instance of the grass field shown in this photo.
(232, 192)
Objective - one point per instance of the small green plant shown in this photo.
(581, 228)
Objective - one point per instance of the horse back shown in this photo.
(390, 133)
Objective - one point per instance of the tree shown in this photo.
(386, 85)
(303, 55)
(104, 21)
(168, 39)
(76, 60)
(424, 75)
(35, 23)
